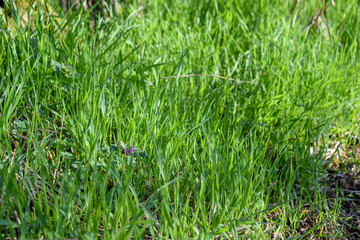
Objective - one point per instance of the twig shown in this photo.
(17, 135)
(209, 75)
(17, 217)
(342, 22)
(318, 15)
(351, 191)
(323, 8)
(42, 129)
(271, 185)
(341, 26)
(296, 2)
(26, 130)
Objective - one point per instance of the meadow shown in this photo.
(181, 120)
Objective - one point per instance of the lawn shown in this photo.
(181, 120)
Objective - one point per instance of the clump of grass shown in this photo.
(97, 142)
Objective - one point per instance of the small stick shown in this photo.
(17, 135)
(296, 2)
(271, 185)
(40, 129)
(26, 130)
(319, 14)
(341, 26)
(342, 22)
(209, 75)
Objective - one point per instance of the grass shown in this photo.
(96, 143)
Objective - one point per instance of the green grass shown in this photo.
(212, 158)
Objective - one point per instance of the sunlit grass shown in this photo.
(95, 142)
